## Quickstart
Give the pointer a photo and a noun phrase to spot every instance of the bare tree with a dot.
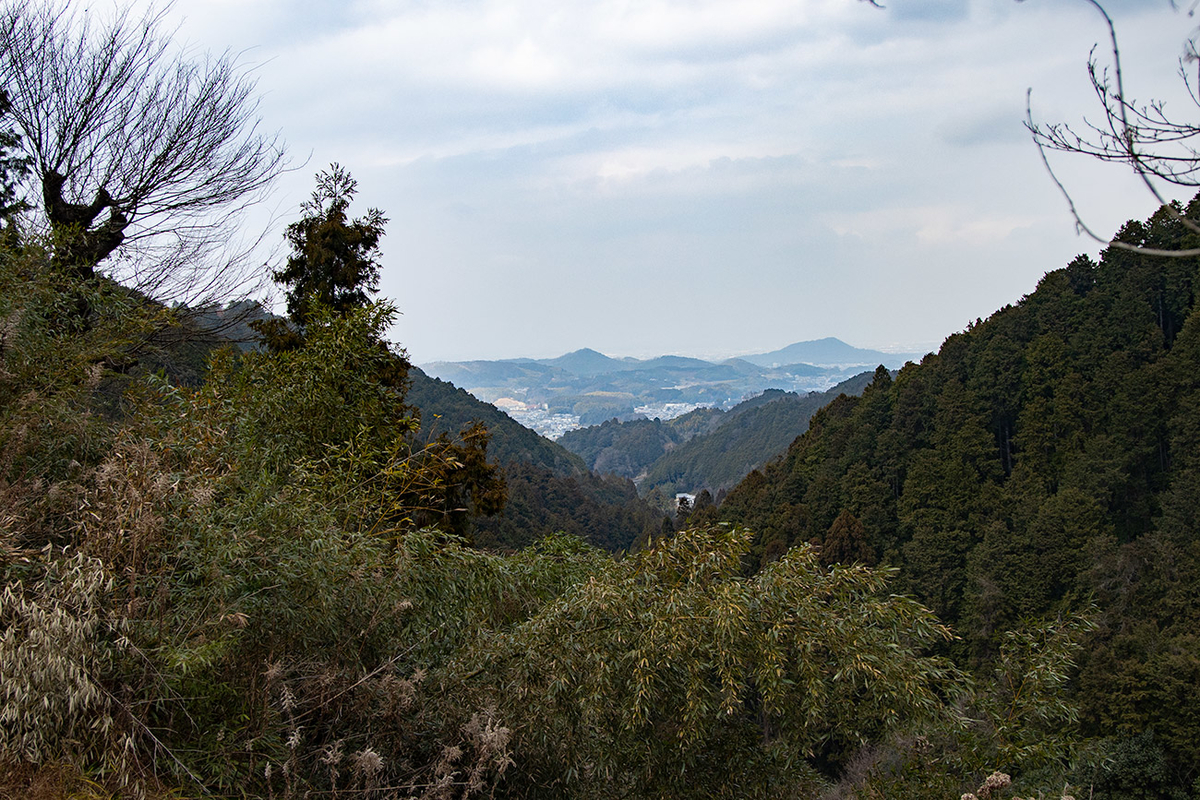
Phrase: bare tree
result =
(1160, 149)
(143, 158)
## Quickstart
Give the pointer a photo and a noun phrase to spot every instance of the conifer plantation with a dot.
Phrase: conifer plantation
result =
(1042, 463)
(245, 572)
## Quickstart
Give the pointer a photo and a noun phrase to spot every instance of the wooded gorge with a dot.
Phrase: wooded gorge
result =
(301, 568)
(258, 586)
(232, 590)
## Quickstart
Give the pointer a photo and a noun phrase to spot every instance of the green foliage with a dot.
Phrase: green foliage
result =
(1042, 457)
(293, 404)
(1030, 722)
(320, 416)
(275, 592)
(1137, 768)
(846, 542)
(1017, 718)
(604, 511)
(278, 623)
(59, 387)
(669, 673)
(334, 260)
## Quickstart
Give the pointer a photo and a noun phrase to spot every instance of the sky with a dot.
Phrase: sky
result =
(697, 177)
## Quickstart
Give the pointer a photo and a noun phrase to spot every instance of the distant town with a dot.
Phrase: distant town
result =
(584, 388)
(538, 417)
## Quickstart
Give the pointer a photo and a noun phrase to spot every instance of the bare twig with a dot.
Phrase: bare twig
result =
(1129, 135)
(142, 158)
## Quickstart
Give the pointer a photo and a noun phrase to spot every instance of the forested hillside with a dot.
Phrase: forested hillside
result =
(549, 490)
(254, 587)
(1042, 460)
(448, 409)
(629, 448)
(263, 573)
(748, 436)
(705, 449)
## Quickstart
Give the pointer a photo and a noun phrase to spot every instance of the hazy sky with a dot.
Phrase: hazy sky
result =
(703, 177)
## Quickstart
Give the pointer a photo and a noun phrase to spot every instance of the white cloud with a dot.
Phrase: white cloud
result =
(608, 171)
(930, 226)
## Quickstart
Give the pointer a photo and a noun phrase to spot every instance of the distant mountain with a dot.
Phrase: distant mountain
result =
(494, 373)
(587, 363)
(586, 387)
(830, 351)
(675, 362)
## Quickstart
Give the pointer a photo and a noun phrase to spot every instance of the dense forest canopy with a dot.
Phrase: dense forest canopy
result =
(228, 590)
(1044, 458)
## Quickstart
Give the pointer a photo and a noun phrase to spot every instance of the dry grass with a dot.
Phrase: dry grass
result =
(48, 782)
(62, 781)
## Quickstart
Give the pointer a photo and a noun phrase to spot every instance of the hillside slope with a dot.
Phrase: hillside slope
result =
(549, 488)
(706, 448)
(447, 409)
(749, 436)
(629, 448)
(1047, 455)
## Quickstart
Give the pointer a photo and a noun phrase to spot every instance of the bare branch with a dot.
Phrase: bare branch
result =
(1143, 137)
(1080, 225)
(145, 160)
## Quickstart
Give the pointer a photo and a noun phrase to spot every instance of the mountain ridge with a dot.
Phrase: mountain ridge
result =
(587, 387)
(830, 350)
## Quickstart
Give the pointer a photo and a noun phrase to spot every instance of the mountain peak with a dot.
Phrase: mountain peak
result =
(584, 362)
(830, 350)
